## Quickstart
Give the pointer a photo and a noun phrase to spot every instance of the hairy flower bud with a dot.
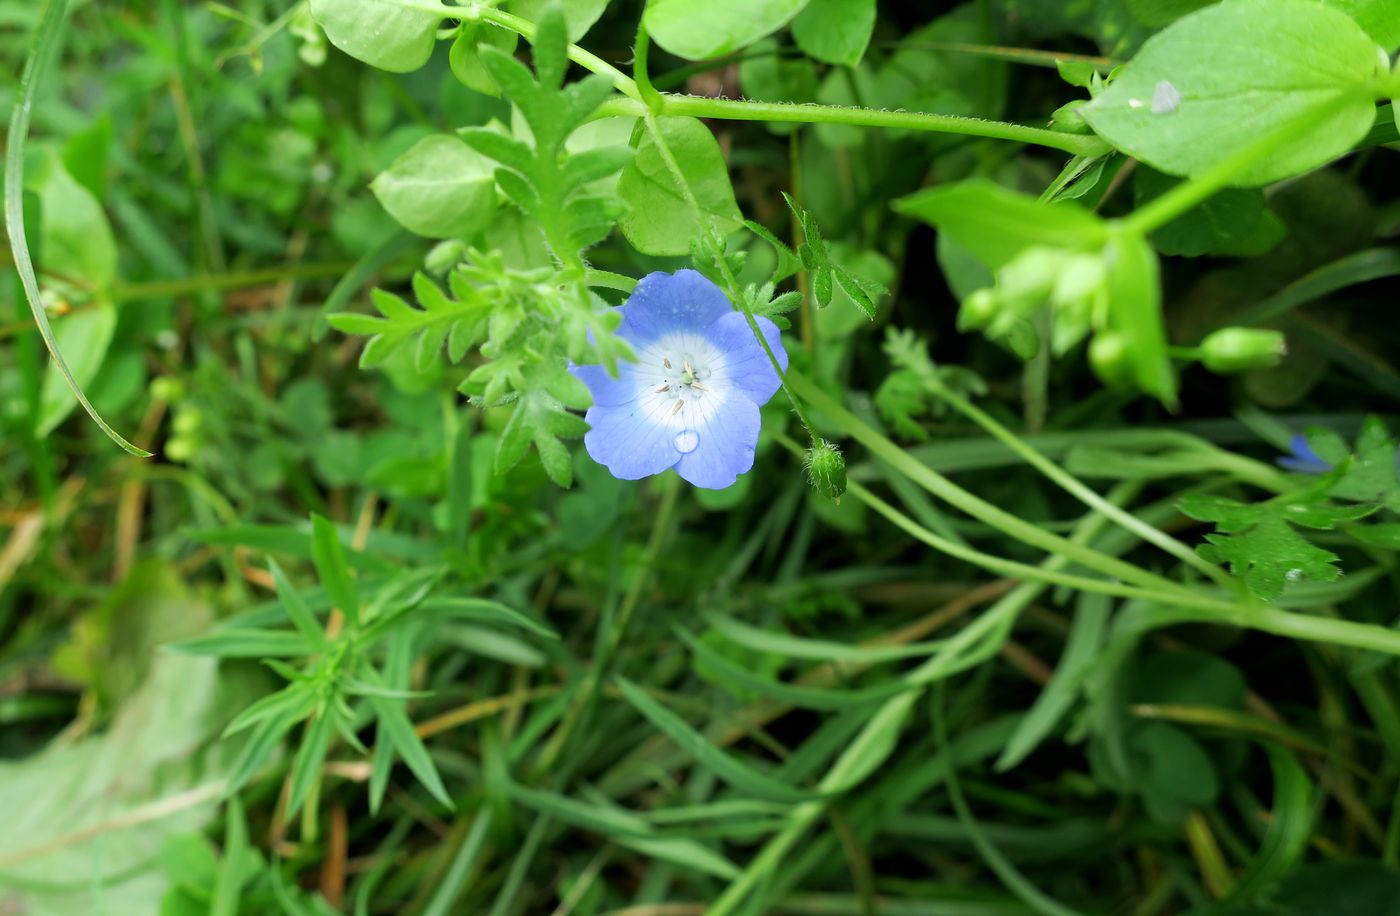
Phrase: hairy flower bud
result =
(826, 470)
(1108, 355)
(978, 310)
(1239, 349)
(444, 256)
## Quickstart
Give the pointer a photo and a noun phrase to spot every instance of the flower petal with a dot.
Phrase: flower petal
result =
(606, 390)
(724, 444)
(664, 303)
(746, 367)
(1303, 460)
(633, 440)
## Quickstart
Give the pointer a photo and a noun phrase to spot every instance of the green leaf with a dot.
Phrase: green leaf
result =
(440, 188)
(1380, 19)
(996, 224)
(1135, 312)
(1260, 545)
(383, 33)
(329, 558)
(835, 31)
(464, 59)
(873, 746)
(84, 338)
(232, 874)
(1218, 80)
(395, 727)
(311, 754)
(487, 611)
(625, 829)
(804, 697)
(75, 238)
(302, 618)
(580, 14)
(726, 766)
(245, 643)
(766, 76)
(699, 31)
(1290, 828)
(659, 220)
(1372, 474)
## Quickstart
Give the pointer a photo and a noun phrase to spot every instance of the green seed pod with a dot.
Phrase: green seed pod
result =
(978, 310)
(180, 449)
(826, 470)
(1240, 349)
(167, 388)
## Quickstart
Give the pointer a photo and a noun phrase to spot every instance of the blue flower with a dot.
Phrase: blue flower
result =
(691, 399)
(1302, 459)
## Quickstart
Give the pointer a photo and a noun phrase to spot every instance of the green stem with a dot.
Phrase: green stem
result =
(715, 242)
(524, 27)
(745, 110)
(1188, 194)
(1071, 484)
(974, 506)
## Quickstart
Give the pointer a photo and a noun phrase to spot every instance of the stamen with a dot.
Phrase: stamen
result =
(698, 387)
(677, 409)
(663, 388)
(666, 361)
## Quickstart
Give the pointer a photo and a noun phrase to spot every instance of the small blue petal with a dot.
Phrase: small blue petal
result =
(608, 391)
(1302, 459)
(746, 366)
(631, 441)
(663, 303)
(724, 444)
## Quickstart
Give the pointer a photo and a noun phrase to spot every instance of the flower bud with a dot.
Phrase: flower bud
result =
(1109, 357)
(826, 470)
(978, 310)
(1026, 281)
(444, 256)
(1069, 119)
(1238, 349)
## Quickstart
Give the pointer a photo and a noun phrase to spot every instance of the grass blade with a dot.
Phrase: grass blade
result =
(45, 47)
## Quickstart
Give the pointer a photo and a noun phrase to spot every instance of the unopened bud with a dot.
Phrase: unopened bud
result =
(826, 470)
(1026, 281)
(444, 256)
(1069, 119)
(1109, 357)
(978, 310)
(1239, 349)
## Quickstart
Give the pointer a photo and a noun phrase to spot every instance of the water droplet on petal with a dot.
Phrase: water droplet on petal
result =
(686, 441)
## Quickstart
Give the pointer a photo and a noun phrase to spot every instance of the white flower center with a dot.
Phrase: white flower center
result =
(680, 385)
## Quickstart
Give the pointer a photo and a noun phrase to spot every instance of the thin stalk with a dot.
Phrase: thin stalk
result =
(975, 506)
(746, 110)
(1188, 194)
(1071, 484)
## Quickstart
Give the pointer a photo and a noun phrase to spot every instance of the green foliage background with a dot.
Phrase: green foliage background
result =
(371, 633)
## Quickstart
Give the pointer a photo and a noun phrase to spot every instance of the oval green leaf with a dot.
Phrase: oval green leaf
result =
(383, 33)
(699, 31)
(440, 188)
(1217, 80)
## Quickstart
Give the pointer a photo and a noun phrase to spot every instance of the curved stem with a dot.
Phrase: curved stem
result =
(585, 59)
(1072, 485)
(744, 110)
(975, 506)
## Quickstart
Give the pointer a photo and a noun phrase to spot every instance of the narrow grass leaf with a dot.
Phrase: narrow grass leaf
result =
(726, 766)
